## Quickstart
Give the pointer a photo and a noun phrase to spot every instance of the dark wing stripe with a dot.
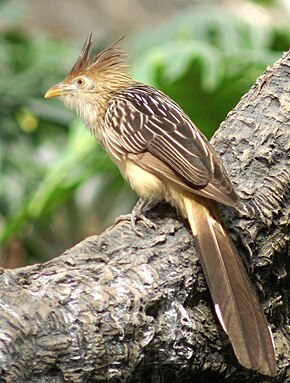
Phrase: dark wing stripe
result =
(157, 129)
(183, 157)
(180, 165)
(112, 144)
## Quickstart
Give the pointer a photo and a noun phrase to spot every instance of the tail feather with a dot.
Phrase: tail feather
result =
(236, 304)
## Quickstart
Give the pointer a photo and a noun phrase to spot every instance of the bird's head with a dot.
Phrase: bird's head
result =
(93, 81)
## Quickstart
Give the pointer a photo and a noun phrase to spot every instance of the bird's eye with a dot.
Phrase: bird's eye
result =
(80, 81)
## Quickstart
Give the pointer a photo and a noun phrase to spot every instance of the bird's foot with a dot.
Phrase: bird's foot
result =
(138, 215)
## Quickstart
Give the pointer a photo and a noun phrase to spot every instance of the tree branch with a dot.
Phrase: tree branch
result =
(117, 307)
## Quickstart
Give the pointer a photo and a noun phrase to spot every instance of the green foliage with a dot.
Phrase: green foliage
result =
(56, 184)
(206, 59)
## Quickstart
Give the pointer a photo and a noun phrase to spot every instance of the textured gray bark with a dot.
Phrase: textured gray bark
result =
(121, 308)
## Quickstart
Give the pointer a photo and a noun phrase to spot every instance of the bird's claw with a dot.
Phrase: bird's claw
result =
(137, 215)
(147, 222)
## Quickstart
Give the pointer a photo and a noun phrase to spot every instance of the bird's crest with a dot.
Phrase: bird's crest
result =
(109, 60)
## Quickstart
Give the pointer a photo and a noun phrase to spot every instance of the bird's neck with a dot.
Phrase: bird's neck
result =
(91, 107)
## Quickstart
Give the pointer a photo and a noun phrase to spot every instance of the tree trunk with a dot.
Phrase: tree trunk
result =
(121, 308)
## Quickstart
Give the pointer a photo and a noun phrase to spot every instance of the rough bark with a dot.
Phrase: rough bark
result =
(118, 307)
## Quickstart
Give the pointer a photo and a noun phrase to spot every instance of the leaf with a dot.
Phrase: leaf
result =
(176, 58)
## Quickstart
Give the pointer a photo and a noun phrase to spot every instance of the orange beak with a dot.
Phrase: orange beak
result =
(58, 90)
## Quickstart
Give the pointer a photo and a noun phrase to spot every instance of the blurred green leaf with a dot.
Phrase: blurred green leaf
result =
(174, 59)
(81, 158)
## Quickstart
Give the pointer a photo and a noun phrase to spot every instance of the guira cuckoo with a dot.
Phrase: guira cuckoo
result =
(164, 156)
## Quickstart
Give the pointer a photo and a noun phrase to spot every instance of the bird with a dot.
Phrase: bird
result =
(164, 156)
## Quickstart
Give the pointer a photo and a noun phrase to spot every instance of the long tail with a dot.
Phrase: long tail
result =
(236, 304)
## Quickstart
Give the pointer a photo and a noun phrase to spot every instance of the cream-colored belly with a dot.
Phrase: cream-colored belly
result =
(150, 187)
(147, 185)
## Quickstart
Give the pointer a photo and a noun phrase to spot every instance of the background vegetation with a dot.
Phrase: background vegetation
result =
(56, 185)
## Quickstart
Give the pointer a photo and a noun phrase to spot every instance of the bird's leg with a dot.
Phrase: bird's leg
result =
(138, 214)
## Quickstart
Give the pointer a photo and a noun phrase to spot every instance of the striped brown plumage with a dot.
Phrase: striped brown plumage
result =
(142, 119)
(163, 155)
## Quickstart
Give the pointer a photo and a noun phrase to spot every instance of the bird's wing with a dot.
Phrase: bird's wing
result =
(142, 120)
